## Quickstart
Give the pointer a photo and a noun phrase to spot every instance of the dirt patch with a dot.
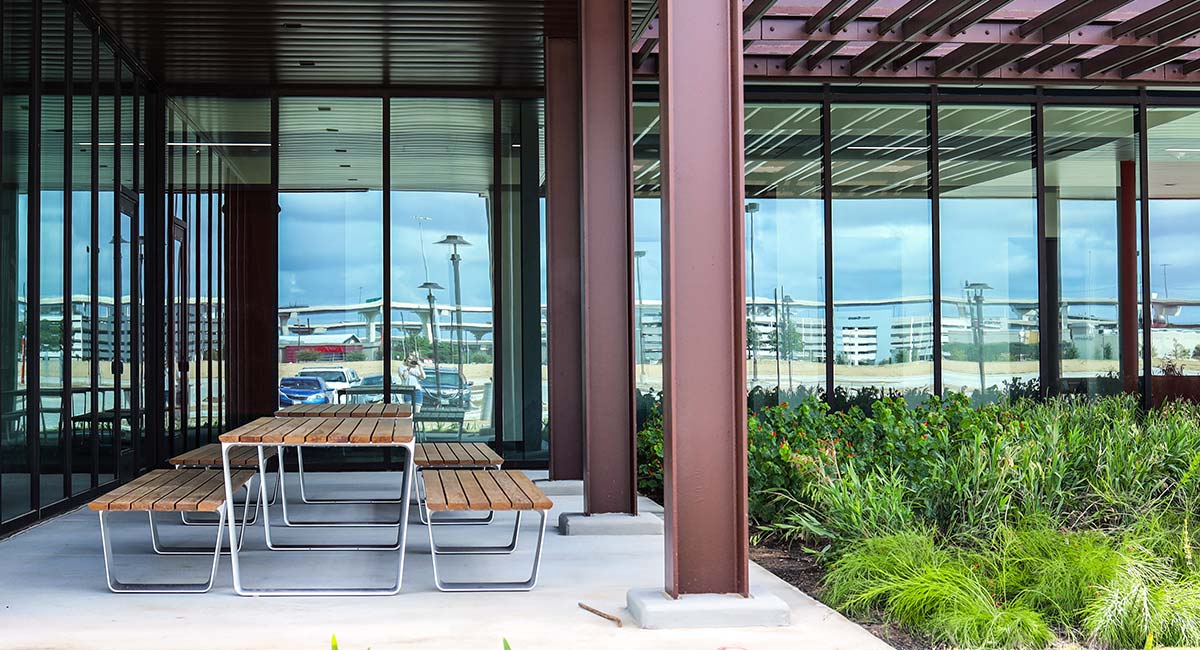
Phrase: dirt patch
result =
(799, 570)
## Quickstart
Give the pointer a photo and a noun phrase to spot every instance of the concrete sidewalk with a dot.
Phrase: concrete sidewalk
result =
(53, 594)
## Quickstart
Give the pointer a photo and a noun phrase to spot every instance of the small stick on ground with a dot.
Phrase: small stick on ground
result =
(601, 614)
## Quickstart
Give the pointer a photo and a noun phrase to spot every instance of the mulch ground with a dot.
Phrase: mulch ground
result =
(799, 570)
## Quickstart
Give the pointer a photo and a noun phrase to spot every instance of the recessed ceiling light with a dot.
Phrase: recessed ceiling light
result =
(292, 25)
(345, 166)
(307, 64)
(353, 180)
(332, 130)
(339, 151)
(324, 108)
(516, 145)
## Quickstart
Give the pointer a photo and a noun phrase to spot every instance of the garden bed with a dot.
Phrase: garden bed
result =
(1016, 524)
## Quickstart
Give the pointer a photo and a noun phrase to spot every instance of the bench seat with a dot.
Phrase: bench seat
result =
(210, 456)
(434, 455)
(485, 491)
(172, 490)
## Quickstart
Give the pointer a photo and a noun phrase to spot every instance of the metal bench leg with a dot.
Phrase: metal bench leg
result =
(426, 516)
(481, 550)
(390, 590)
(525, 585)
(162, 549)
(116, 586)
(312, 500)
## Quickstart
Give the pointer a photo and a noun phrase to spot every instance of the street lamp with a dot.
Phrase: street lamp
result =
(787, 330)
(974, 293)
(751, 210)
(641, 355)
(430, 287)
(454, 241)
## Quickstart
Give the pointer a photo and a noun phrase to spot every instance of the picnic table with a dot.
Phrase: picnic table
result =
(312, 432)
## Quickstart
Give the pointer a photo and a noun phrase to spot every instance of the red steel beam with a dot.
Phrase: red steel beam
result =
(563, 300)
(606, 196)
(1157, 57)
(1004, 56)
(1051, 56)
(1148, 22)
(900, 14)
(704, 312)
(1080, 16)
(824, 14)
(1049, 15)
(850, 14)
(977, 14)
(755, 11)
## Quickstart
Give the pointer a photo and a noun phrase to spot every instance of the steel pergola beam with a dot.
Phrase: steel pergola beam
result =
(755, 11)
(650, 16)
(1156, 57)
(876, 56)
(1048, 16)
(851, 13)
(1157, 18)
(937, 15)
(1111, 59)
(977, 14)
(824, 54)
(801, 53)
(1080, 16)
(902, 12)
(1051, 56)
(1180, 30)
(918, 51)
(964, 56)
(1189, 67)
(824, 14)
(1003, 56)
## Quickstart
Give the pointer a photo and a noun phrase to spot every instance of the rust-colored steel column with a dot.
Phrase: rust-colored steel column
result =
(1127, 275)
(606, 192)
(563, 300)
(704, 322)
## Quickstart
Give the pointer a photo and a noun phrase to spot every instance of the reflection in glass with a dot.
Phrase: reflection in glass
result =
(785, 327)
(1174, 153)
(107, 320)
(988, 247)
(14, 252)
(882, 247)
(83, 324)
(1084, 150)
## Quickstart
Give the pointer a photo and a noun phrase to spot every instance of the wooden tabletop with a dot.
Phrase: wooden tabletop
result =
(379, 410)
(323, 431)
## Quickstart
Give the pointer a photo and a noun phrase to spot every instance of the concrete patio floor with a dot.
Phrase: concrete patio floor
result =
(54, 593)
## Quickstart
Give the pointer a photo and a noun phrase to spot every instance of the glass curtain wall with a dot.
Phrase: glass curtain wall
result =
(442, 335)
(1085, 148)
(882, 247)
(1174, 155)
(989, 254)
(70, 411)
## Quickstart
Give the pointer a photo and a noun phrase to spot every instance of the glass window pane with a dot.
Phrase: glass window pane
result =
(989, 248)
(882, 247)
(14, 261)
(1085, 147)
(1174, 152)
(331, 243)
(441, 180)
(83, 325)
(785, 291)
(51, 356)
(106, 318)
(647, 243)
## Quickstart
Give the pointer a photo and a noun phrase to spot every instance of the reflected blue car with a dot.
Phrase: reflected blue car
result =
(304, 390)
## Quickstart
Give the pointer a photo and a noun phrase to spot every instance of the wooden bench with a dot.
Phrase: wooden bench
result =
(452, 455)
(485, 491)
(165, 490)
(209, 457)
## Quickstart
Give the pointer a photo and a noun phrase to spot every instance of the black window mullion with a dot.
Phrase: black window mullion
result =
(33, 286)
(827, 199)
(209, 322)
(935, 220)
(387, 250)
(118, 372)
(94, 361)
(65, 407)
(135, 286)
(194, 228)
(1144, 254)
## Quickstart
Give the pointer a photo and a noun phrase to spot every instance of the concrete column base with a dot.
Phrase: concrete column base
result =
(561, 488)
(578, 523)
(653, 609)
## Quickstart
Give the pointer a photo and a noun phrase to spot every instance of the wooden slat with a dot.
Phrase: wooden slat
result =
(497, 499)
(131, 490)
(341, 433)
(321, 434)
(435, 496)
(535, 494)
(170, 500)
(215, 498)
(146, 500)
(421, 456)
(363, 431)
(301, 428)
(476, 498)
(253, 431)
(455, 498)
(514, 493)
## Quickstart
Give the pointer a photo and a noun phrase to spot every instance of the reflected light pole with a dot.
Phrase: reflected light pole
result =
(637, 309)
(454, 241)
(787, 330)
(430, 287)
(751, 210)
(974, 292)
